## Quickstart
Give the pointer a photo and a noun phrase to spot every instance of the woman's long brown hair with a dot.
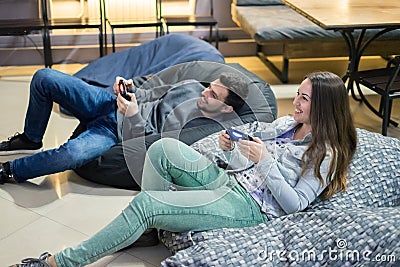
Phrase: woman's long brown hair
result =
(332, 126)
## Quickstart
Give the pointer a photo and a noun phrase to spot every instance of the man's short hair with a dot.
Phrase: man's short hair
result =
(238, 89)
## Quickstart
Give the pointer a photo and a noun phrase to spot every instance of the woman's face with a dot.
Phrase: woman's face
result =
(302, 103)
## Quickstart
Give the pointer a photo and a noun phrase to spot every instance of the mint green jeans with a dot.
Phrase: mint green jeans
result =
(200, 196)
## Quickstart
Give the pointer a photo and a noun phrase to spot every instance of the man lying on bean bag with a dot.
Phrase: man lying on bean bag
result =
(121, 166)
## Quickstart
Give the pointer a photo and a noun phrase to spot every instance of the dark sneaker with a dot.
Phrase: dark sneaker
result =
(5, 175)
(19, 144)
(32, 262)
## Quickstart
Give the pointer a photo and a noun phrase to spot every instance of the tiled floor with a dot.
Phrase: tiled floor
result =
(52, 212)
(55, 211)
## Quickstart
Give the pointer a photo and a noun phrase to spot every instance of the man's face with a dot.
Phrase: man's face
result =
(212, 99)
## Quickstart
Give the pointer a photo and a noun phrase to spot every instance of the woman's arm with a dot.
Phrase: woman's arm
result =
(297, 198)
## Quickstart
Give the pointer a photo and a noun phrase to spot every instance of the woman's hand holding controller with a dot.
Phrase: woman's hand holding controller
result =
(254, 150)
(225, 142)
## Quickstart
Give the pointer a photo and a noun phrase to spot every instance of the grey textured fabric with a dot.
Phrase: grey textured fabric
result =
(354, 237)
(356, 228)
(373, 177)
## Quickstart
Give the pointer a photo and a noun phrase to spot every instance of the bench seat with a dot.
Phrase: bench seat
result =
(279, 30)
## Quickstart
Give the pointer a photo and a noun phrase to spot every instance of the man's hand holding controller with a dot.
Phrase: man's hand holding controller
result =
(123, 87)
(126, 102)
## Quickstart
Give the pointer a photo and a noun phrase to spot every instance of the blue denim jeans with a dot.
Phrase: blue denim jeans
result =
(211, 199)
(93, 106)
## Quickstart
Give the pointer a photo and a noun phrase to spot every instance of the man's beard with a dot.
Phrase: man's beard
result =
(215, 111)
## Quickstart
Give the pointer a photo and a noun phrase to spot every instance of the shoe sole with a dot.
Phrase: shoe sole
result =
(16, 152)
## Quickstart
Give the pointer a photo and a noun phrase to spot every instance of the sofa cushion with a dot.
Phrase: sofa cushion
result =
(281, 23)
(277, 23)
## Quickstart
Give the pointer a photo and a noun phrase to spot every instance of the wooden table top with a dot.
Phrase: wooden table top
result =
(349, 14)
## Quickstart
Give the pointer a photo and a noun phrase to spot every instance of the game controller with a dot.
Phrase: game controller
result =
(237, 135)
(122, 90)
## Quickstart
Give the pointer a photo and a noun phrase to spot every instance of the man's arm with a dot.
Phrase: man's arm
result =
(156, 105)
(155, 88)
(133, 124)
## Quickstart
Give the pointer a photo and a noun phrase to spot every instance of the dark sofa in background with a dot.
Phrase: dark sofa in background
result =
(278, 30)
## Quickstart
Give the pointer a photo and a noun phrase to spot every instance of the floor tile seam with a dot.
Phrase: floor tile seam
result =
(41, 216)
(127, 252)
(21, 228)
